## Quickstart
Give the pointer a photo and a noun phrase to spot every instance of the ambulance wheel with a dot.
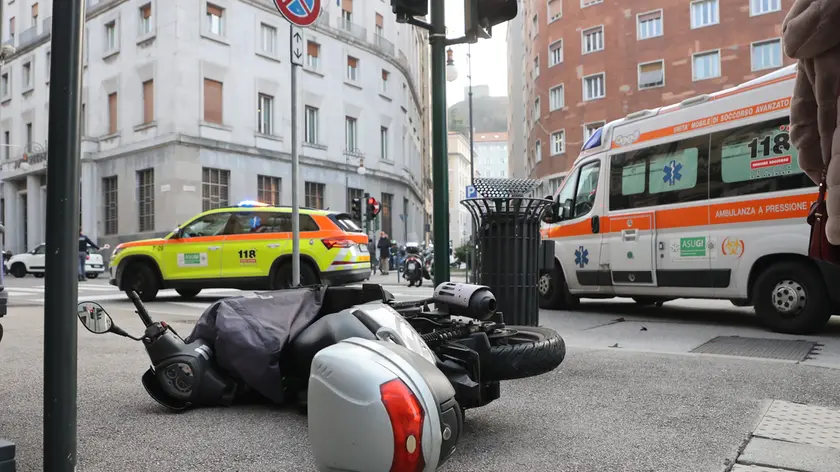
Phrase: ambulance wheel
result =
(188, 292)
(517, 352)
(791, 298)
(140, 278)
(554, 291)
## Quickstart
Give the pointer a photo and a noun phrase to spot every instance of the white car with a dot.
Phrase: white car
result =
(33, 262)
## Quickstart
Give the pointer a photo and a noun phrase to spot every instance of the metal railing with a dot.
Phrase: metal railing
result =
(353, 29)
(29, 36)
(46, 25)
(323, 19)
(383, 44)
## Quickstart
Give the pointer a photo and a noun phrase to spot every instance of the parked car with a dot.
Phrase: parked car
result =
(34, 261)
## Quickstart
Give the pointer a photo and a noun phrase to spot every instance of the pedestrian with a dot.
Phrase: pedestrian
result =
(384, 246)
(372, 251)
(811, 37)
(84, 244)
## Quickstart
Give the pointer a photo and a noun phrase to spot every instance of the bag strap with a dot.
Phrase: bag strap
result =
(821, 197)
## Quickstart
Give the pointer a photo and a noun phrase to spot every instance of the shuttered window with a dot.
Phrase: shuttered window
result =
(347, 5)
(212, 101)
(112, 113)
(148, 101)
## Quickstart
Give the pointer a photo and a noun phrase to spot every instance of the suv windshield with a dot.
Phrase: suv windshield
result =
(345, 222)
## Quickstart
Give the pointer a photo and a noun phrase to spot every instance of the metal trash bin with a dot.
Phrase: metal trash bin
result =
(508, 256)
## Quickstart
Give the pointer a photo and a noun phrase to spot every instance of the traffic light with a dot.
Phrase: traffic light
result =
(356, 209)
(410, 7)
(480, 16)
(372, 208)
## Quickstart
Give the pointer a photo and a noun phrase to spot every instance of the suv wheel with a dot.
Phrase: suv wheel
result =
(188, 292)
(140, 278)
(18, 270)
(283, 276)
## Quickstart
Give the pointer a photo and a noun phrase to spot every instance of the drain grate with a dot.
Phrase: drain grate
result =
(783, 349)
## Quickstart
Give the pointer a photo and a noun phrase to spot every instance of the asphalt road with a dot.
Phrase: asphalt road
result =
(646, 405)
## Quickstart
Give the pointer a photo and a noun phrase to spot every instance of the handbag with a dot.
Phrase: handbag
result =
(819, 248)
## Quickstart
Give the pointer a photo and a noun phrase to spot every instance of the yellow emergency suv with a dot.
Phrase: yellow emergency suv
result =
(246, 247)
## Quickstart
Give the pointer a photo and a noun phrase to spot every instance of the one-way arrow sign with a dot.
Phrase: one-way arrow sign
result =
(296, 46)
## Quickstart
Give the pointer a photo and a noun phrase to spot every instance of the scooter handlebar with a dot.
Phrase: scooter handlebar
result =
(141, 309)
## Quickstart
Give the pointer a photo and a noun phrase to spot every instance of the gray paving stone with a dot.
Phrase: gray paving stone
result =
(792, 456)
(803, 424)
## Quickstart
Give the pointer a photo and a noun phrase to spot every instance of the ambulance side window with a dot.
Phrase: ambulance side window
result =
(587, 187)
(753, 159)
(675, 172)
(566, 197)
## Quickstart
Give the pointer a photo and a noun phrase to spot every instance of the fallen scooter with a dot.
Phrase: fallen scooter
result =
(427, 365)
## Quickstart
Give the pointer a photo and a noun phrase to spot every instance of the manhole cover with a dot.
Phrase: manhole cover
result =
(784, 349)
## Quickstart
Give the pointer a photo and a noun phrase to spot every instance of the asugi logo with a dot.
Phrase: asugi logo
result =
(627, 140)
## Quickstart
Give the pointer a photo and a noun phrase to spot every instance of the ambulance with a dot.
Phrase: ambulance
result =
(702, 199)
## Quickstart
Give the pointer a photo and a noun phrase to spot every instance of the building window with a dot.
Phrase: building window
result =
(146, 19)
(12, 28)
(651, 75)
(34, 14)
(83, 120)
(47, 65)
(215, 19)
(148, 101)
(350, 134)
(4, 84)
(27, 76)
(314, 195)
(146, 200)
(352, 194)
(538, 151)
(767, 54)
(268, 189)
(352, 69)
(383, 142)
(311, 125)
(379, 30)
(556, 98)
(558, 142)
(213, 101)
(109, 198)
(387, 215)
(587, 3)
(346, 14)
(215, 188)
(28, 137)
(112, 113)
(593, 39)
(590, 128)
(536, 108)
(704, 13)
(535, 26)
(536, 66)
(649, 25)
(265, 112)
(268, 37)
(312, 51)
(706, 65)
(760, 7)
(594, 87)
(555, 10)
(385, 75)
(6, 144)
(111, 36)
(555, 53)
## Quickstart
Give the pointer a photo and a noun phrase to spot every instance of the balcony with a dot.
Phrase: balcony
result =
(323, 19)
(383, 45)
(28, 36)
(403, 60)
(348, 27)
(46, 25)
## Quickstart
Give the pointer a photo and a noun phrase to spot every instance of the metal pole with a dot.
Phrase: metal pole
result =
(61, 291)
(472, 163)
(347, 181)
(295, 177)
(440, 157)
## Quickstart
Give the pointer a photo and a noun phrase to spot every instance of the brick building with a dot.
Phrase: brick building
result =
(586, 62)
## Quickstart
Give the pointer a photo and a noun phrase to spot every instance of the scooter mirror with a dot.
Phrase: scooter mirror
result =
(94, 317)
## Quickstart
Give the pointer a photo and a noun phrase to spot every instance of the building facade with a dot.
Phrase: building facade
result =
(185, 107)
(591, 61)
(491, 155)
(460, 226)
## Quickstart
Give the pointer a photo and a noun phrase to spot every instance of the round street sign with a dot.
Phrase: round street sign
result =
(299, 12)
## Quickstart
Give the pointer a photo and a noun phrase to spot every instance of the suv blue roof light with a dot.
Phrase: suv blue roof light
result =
(251, 203)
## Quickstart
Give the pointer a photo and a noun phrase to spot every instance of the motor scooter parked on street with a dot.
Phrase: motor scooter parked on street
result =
(414, 267)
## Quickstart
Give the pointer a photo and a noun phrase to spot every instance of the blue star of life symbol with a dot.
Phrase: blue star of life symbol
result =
(255, 221)
(672, 173)
(581, 257)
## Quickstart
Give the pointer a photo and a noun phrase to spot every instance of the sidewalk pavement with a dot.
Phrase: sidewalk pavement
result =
(793, 437)
(391, 278)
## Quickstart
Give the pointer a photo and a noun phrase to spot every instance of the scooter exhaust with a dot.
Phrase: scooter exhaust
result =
(470, 300)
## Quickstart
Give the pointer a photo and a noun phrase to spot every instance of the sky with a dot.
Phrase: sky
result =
(489, 57)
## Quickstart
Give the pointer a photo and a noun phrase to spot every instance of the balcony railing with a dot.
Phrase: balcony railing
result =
(403, 60)
(29, 36)
(323, 19)
(353, 29)
(46, 25)
(383, 44)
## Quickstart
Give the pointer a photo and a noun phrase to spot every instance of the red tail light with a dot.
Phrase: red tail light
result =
(87, 257)
(337, 242)
(407, 417)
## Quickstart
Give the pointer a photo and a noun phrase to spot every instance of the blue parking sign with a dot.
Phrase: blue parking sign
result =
(471, 192)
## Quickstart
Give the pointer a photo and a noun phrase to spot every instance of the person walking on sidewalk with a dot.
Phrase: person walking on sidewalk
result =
(84, 244)
(372, 252)
(384, 246)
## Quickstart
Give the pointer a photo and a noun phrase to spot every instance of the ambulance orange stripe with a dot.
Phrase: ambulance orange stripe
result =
(730, 93)
(729, 116)
(745, 211)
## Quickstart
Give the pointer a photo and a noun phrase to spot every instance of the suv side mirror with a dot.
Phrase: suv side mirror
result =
(176, 233)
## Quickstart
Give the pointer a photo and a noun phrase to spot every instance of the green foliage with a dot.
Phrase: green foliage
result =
(461, 253)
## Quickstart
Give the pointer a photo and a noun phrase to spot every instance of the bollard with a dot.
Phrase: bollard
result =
(508, 250)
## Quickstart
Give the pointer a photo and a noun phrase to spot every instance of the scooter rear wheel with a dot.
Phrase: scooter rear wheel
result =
(518, 352)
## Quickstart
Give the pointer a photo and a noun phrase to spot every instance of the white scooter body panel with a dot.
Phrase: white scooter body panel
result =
(395, 325)
(349, 428)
